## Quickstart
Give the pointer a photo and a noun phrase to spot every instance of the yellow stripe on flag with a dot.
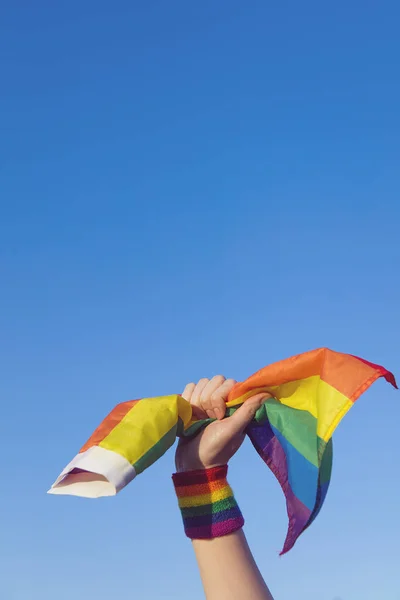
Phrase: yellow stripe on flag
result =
(145, 424)
(313, 395)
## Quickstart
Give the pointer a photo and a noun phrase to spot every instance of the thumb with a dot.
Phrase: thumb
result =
(246, 413)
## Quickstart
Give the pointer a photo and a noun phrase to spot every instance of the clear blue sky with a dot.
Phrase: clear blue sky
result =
(186, 189)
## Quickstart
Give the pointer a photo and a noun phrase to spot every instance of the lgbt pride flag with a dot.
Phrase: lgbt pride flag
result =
(292, 431)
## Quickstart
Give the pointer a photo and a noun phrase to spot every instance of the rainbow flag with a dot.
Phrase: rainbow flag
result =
(292, 431)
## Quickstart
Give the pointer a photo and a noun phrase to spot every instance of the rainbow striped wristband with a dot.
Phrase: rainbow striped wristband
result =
(207, 504)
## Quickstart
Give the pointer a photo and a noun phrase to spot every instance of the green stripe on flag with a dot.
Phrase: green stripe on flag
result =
(158, 449)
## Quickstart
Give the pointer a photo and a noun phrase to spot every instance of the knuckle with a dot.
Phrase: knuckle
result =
(204, 400)
(217, 399)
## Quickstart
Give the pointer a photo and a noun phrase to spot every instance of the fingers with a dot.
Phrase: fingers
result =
(212, 408)
(245, 413)
(198, 390)
(192, 393)
(208, 396)
(190, 396)
(214, 396)
(188, 391)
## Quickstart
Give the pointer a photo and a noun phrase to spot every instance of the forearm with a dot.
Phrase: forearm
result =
(213, 521)
(228, 570)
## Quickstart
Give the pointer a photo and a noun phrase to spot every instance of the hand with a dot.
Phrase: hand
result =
(219, 441)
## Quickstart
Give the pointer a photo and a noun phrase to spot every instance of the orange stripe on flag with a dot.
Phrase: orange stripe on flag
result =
(347, 374)
(111, 421)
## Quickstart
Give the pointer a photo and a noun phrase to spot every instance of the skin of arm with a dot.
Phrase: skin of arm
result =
(227, 568)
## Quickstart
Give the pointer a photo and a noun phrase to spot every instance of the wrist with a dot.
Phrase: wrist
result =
(207, 503)
(193, 465)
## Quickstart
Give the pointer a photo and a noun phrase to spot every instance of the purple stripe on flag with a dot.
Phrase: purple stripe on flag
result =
(271, 451)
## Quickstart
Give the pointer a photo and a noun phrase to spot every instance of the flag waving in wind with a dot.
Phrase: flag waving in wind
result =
(292, 431)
